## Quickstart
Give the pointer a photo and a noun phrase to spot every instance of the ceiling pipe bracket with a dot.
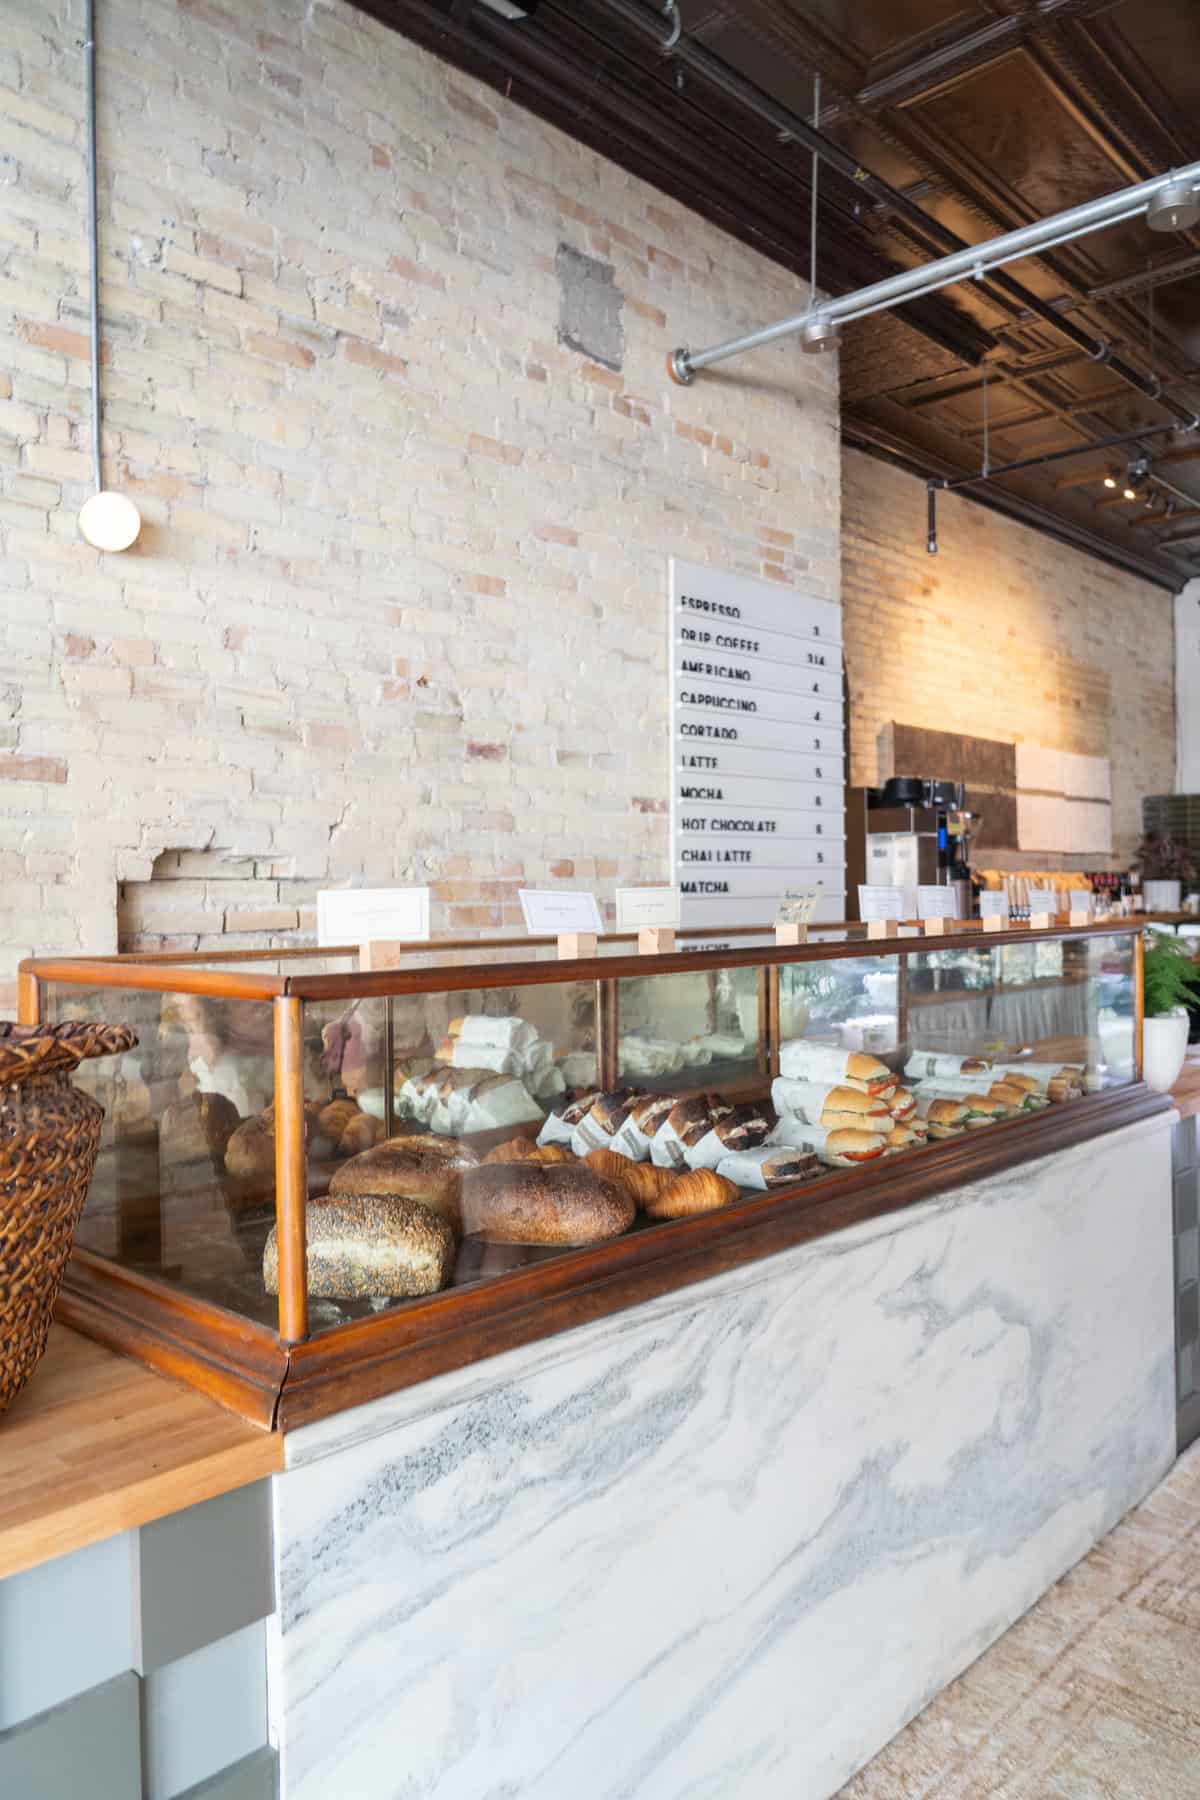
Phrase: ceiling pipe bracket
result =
(679, 368)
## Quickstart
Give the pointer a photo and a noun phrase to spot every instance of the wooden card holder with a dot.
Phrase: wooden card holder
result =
(576, 945)
(656, 940)
(936, 927)
(789, 931)
(381, 953)
(1040, 921)
(1079, 918)
(883, 928)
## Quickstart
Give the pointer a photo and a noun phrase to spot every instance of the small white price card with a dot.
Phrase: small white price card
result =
(993, 906)
(372, 915)
(1044, 900)
(876, 903)
(937, 903)
(552, 911)
(656, 907)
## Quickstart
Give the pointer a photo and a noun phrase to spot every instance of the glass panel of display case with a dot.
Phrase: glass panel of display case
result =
(847, 1003)
(1063, 1011)
(698, 1030)
(172, 1197)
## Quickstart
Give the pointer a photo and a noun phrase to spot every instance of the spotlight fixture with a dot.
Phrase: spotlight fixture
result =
(1131, 493)
(1110, 480)
(1175, 207)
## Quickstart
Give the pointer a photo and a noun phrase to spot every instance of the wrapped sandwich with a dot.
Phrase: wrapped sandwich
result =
(770, 1166)
(813, 1103)
(944, 1118)
(844, 1148)
(741, 1128)
(685, 1126)
(924, 1065)
(646, 1118)
(802, 1060)
(560, 1125)
(602, 1121)
(1055, 1081)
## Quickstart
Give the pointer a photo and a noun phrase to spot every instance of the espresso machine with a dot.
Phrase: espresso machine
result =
(918, 834)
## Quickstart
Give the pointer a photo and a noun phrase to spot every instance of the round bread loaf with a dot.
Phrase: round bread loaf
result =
(371, 1247)
(536, 1203)
(250, 1152)
(703, 1190)
(362, 1133)
(427, 1168)
(199, 1126)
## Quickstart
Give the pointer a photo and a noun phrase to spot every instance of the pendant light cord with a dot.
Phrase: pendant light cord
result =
(89, 51)
(816, 164)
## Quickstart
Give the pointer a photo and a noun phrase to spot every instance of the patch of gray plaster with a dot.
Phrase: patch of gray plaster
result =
(590, 302)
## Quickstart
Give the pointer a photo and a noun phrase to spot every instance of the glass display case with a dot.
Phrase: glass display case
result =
(319, 1182)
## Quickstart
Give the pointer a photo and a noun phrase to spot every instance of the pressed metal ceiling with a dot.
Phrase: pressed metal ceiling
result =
(987, 114)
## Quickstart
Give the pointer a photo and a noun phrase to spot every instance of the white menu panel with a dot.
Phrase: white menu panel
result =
(757, 746)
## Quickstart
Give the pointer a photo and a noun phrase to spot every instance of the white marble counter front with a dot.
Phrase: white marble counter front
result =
(725, 1544)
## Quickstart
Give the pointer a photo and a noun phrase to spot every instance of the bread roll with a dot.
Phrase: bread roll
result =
(518, 1149)
(198, 1127)
(700, 1191)
(373, 1247)
(530, 1203)
(901, 1137)
(362, 1133)
(944, 1118)
(424, 1168)
(902, 1104)
(333, 1119)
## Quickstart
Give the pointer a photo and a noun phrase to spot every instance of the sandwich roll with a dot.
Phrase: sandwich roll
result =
(560, 1205)
(770, 1166)
(801, 1060)
(815, 1104)
(902, 1105)
(699, 1191)
(843, 1148)
(944, 1118)
(902, 1137)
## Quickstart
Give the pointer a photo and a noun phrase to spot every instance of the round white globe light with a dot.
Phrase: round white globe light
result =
(110, 521)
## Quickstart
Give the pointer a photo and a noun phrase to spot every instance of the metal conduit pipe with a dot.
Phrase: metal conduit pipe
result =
(719, 76)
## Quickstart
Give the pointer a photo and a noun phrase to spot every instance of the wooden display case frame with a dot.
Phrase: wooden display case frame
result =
(289, 1377)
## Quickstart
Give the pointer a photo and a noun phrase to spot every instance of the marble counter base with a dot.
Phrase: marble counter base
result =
(724, 1545)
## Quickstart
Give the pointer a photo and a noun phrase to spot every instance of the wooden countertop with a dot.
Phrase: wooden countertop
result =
(97, 1443)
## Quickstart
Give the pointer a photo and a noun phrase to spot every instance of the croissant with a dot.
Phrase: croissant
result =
(645, 1181)
(608, 1164)
(703, 1190)
(553, 1153)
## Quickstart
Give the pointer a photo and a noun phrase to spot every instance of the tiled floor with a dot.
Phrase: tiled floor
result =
(1093, 1695)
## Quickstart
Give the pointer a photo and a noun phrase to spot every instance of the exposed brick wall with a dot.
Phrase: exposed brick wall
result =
(399, 607)
(1006, 634)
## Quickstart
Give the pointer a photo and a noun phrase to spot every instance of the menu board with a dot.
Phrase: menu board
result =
(758, 765)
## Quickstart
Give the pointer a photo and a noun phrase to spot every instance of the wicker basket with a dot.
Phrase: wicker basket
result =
(49, 1137)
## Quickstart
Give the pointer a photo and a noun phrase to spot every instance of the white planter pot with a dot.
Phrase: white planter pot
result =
(1164, 1046)
(1163, 896)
